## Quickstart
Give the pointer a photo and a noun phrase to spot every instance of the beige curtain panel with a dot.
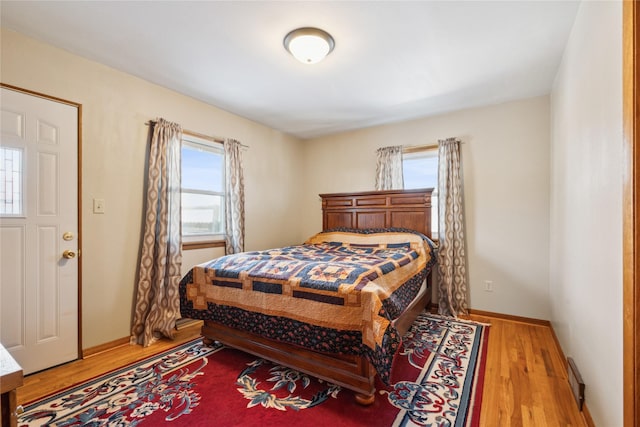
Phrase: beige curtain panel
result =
(234, 196)
(389, 168)
(452, 280)
(157, 304)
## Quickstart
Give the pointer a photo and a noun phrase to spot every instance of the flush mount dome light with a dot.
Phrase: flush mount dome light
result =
(309, 45)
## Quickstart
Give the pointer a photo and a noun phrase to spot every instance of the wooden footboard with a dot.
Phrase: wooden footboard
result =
(349, 371)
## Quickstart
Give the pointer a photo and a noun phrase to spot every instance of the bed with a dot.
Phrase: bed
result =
(335, 307)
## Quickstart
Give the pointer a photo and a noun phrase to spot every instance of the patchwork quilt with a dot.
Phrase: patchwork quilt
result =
(339, 292)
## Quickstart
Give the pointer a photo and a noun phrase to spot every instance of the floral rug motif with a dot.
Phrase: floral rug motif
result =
(128, 395)
(437, 381)
(285, 380)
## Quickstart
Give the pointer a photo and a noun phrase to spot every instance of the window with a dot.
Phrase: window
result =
(202, 189)
(11, 181)
(420, 170)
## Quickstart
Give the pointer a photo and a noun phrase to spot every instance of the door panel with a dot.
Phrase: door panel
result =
(47, 189)
(13, 297)
(38, 204)
(47, 286)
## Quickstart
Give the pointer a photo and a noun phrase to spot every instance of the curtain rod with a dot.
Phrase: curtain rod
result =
(217, 139)
(414, 148)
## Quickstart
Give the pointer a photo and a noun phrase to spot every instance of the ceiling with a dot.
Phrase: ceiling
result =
(393, 60)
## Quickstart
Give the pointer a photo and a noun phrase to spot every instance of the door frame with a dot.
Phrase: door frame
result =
(631, 213)
(79, 180)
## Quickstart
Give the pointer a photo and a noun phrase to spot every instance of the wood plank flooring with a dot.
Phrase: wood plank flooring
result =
(525, 380)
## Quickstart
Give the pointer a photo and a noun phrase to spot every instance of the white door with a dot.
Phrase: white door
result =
(38, 223)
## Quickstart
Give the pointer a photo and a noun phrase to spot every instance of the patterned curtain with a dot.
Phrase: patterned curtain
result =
(452, 278)
(157, 303)
(389, 168)
(234, 196)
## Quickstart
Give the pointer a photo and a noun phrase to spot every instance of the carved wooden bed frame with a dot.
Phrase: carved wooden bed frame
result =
(409, 209)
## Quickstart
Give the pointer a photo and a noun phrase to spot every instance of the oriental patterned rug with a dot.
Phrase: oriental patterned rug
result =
(437, 381)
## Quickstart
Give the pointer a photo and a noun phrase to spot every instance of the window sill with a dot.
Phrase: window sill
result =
(203, 244)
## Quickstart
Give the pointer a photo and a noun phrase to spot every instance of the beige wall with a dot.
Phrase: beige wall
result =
(505, 156)
(586, 206)
(115, 108)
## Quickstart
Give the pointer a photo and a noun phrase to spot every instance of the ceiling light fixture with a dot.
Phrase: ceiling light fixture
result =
(309, 45)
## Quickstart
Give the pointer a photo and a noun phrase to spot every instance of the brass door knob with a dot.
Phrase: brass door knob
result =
(68, 254)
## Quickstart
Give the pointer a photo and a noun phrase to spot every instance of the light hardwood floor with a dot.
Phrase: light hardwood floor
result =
(525, 379)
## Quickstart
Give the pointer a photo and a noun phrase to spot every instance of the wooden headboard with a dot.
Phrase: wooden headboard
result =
(378, 209)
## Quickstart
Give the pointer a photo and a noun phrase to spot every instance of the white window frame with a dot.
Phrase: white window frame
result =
(426, 152)
(211, 146)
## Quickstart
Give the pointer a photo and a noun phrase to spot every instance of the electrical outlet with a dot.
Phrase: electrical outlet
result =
(488, 286)
(98, 206)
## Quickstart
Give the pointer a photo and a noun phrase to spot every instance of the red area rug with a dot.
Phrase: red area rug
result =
(437, 381)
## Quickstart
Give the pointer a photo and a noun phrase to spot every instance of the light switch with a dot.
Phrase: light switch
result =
(98, 206)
